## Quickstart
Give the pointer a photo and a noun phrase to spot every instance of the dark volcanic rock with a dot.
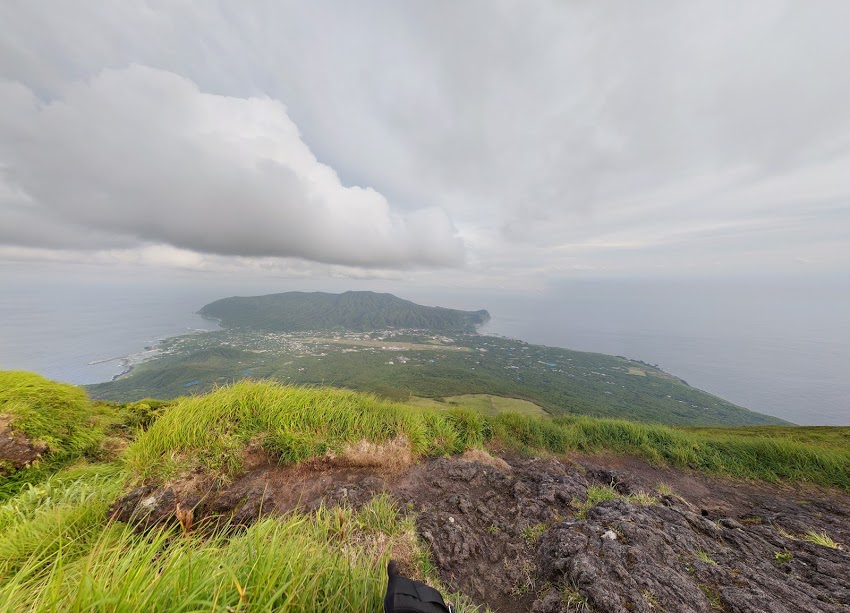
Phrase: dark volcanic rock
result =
(670, 558)
(510, 539)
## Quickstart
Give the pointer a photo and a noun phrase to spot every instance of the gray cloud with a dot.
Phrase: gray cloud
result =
(142, 153)
(558, 137)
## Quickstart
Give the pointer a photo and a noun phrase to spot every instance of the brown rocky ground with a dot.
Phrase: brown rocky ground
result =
(16, 451)
(508, 534)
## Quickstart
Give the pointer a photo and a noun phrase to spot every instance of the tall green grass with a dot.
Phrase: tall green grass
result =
(59, 416)
(60, 516)
(294, 423)
(56, 414)
(771, 457)
(333, 560)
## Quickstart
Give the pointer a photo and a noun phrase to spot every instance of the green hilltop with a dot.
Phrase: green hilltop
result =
(358, 311)
(62, 549)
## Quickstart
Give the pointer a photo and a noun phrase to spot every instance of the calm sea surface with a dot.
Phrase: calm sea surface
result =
(79, 333)
(779, 350)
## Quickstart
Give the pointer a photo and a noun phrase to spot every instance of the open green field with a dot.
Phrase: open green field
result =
(389, 345)
(486, 404)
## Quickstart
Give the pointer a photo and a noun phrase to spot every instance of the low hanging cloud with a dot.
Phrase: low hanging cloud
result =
(141, 156)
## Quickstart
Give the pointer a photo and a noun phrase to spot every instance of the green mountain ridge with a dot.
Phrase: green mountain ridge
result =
(356, 311)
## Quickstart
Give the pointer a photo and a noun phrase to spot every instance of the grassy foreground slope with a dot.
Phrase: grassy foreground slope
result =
(60, 552)
(294, 423)
(360, 311)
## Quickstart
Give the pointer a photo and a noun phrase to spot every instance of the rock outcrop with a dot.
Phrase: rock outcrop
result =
(514, 537)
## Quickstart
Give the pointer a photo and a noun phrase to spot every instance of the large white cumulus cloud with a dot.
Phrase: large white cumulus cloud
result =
(141, 155)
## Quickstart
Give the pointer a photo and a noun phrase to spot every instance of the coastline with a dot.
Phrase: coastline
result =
(150, 352)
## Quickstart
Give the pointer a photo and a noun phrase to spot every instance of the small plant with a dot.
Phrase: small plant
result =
(663, 489)
(642, 498)
(493, 529)
(601, 493)
(783, 532)
(595, 495)
(525, 584)
(532, 533)
(783, 556)
(712, 596)
(650, 599)
(574, 600)
(704, 557)
(821, 538)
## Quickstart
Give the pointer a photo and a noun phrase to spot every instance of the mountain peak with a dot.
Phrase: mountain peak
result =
(359, 311)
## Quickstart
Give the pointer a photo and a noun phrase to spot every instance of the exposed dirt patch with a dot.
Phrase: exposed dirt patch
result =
(506, 533)
(16, 450)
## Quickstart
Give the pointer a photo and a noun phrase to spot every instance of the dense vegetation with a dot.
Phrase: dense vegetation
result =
(360, 311)
(65, 423)
(59, 550)
(59, 553)
(295, 423)
(561, 381)
(58, 415)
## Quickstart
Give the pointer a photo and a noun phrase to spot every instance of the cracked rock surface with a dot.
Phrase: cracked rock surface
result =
(511, 536)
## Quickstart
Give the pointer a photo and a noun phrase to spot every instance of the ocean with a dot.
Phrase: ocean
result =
(774, 348)
(84, 333)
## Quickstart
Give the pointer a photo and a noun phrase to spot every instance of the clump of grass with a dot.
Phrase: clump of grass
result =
(525, 583)
(783, 556)
(534, 532)
(60, 515)
(574, 600)
(642, 498)
(651, 600)
(333, 560)
(703, 556)
(482, 457)
(391, 456)
(601, 493)
(595, 495)
(664, 489)
(57, 415)
(712, 595)
(295, 424)
(783, 532)
(821, 538)
(770, 454)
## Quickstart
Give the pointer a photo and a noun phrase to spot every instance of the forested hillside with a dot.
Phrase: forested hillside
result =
(358, 311)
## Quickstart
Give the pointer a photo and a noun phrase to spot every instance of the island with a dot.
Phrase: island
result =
(406, 352)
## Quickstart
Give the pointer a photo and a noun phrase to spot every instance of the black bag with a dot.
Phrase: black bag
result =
(408, 596)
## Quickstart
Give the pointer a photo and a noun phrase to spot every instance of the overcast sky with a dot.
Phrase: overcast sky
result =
(476, 144)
